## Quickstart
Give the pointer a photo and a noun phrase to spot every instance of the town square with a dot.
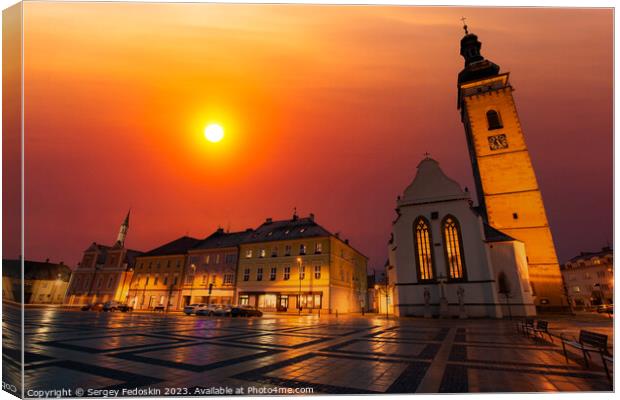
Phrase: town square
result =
(237, 199)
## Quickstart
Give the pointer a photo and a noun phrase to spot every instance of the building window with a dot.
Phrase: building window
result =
(213, 278)
(494, 120)
(317, 272)
(248, 253)
(246, 274)
(207, 258)
(156, 280)
(228, 279)
(204, 279)
(176, 280)
(168, 264)
(318, 248)
(302, 249)
(263, 253)
(244, 300)
(259, 274)
(147, 281)
(423, 249)
(272, 274)
(178, 263)
(274, 251)
(287, 273)
(166, 280)
(217, 258)
(287, 250)
(453, 248)
(111, 281)
(576, 289)
(230, 258)
(302, 273)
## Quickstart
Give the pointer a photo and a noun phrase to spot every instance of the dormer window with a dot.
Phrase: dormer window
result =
(318, 248)
(263, 252)
(302, 249)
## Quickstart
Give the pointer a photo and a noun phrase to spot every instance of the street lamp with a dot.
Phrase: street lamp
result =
(299, 295)
(191, 288)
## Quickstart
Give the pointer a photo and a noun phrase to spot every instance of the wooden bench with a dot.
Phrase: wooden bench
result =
(525, 324)
(541, 328)
(588, 342)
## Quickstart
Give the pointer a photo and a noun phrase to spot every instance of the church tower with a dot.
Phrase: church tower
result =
(508, 194)
(122, 232)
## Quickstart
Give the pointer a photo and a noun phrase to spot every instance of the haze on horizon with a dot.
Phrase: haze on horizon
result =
(326, 108)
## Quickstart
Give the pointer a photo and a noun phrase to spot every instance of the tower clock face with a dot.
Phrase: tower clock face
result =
(498, 142)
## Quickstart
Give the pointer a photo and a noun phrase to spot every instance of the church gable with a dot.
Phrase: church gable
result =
(431, 185)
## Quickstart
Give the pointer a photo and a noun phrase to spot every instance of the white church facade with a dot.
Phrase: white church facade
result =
(445, 261)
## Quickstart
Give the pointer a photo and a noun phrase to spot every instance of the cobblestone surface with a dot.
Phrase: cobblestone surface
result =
(347, 354)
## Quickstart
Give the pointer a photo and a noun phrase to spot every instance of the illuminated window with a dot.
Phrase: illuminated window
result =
(217, 258)
(302, 249)
(318, 248)
(246, 274)
(228, 279)
(248, 253)
(453, 248)
(317, 272)
(302, 272)
(207, 259)
(494, 120)
(423, 249)
(287, 273)
(262, 253)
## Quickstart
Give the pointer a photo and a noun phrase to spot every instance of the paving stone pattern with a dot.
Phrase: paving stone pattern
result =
(345, 354)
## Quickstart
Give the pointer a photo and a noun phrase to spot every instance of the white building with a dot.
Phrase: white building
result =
(441, 244)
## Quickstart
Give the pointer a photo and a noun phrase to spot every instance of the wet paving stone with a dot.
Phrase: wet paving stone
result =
(335, 355)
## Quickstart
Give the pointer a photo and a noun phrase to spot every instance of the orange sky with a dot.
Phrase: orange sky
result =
(326, 108)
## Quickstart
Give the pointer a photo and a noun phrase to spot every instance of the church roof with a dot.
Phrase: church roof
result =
(493, 235)
(36, 270)
(431, 184)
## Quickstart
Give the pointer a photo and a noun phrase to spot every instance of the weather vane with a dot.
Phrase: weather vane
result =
(464, 25)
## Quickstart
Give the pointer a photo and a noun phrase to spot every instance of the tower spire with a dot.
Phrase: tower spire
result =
(465, 25)
(122, 232)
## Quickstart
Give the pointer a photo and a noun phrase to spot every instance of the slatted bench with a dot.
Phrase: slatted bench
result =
(588, 342)
(524, 325)
(541, 328)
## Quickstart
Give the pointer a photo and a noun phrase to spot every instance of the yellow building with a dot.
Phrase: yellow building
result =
(509, 197)
(589, 278)
(212, 269)
(296, 263)
(158, 276)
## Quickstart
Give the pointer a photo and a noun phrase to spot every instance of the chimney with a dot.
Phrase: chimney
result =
(249, 230)
(220, 230)
(269, 220)
(47, 260)
(311, 216)
(346, 241)
(337, 234)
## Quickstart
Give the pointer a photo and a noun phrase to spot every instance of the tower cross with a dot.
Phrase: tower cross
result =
(464, 25)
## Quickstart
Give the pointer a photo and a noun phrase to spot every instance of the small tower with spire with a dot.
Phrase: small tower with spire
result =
(122, 232)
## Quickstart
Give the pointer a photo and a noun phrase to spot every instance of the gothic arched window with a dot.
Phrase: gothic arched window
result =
(423, 249)
(494, 120)
(453, 248)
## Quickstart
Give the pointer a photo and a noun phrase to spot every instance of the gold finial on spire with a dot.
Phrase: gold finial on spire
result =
(465, 25)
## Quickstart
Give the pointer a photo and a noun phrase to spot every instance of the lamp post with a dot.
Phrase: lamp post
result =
(299, 294)
(191, 288)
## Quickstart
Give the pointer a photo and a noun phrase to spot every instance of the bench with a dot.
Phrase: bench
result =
(588, 342)
(540, 329)
(525, 324)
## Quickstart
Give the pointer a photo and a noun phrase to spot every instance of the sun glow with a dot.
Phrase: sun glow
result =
(214, 133)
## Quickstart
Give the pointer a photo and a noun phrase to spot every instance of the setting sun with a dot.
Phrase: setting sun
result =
(214, 133)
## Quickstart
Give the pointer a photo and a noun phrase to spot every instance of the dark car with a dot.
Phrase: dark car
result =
(93, 307)
(124, 308)
(245, 311)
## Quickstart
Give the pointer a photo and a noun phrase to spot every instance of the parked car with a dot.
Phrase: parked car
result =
(606, 308)
(160, 308)
(245, 311)
(110, 306)
(124, 308)
(207, 310)
(191, 309)
(223, 311)
(93, 307)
